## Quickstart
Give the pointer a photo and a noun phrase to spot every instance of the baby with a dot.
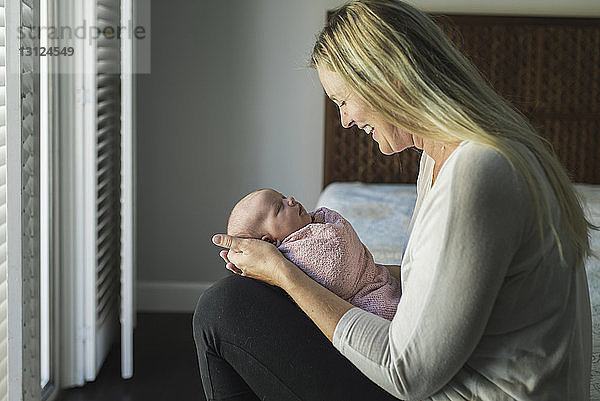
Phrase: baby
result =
(323, 244)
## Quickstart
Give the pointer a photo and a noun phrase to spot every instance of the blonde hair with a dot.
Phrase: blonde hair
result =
(398, 60)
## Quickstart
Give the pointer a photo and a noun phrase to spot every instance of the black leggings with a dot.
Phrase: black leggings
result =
(255, 343)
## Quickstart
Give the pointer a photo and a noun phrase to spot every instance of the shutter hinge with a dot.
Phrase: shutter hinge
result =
(84, 334)
(82, 96)
(80, 333)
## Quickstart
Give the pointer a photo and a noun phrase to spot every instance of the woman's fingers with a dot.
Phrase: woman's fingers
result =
(230, 266)
(227, 241)
(252, 258)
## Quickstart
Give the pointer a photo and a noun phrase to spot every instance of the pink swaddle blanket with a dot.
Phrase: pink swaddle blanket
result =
(330, 252)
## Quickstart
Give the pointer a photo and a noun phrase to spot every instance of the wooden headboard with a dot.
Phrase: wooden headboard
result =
(548, 67)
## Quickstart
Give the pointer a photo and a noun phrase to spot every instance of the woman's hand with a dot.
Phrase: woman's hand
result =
(253, 258)
(263, 261)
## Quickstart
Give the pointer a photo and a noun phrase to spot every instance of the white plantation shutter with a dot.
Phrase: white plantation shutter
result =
(3, 264)
(108, 163)
(30, 199)
(127, 195)
(103, 125)
(90, 179)
(22, 241)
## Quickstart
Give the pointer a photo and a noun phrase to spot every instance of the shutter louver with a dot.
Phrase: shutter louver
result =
(3, 262)
(30, 198)
(108, 173)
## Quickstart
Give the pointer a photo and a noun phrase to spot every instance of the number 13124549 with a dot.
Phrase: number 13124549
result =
(46, 51)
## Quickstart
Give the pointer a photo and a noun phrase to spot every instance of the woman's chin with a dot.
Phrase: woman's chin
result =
(385, 149)
(387, 153)
(397, 149)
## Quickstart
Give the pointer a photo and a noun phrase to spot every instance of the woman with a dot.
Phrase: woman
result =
(494, 302)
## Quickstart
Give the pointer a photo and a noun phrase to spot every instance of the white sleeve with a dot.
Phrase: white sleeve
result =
(466, 234)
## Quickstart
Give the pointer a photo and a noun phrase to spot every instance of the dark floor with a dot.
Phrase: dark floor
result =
(165, 366)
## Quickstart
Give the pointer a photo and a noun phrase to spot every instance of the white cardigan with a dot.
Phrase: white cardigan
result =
(487, 312)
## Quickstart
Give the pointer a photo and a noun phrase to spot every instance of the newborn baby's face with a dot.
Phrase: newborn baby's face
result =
(281, 216)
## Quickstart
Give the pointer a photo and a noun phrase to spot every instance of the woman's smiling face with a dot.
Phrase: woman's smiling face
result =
(354, 111)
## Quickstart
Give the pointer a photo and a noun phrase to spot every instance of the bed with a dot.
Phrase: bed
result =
(549, 68)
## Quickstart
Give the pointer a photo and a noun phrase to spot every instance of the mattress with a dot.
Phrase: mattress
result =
(381, 213)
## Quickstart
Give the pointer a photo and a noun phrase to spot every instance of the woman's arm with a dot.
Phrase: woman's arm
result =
(263, 261)
(323, 307)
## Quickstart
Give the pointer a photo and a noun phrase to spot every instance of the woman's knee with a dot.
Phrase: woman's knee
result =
(229, 303)
(212, 306)
(225, 297)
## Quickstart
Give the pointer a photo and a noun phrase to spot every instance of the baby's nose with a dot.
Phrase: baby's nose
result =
(291, 201)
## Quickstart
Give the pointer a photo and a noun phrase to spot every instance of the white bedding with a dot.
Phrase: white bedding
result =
(380, 215)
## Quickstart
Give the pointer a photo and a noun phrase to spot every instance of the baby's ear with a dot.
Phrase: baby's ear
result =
(268, 238)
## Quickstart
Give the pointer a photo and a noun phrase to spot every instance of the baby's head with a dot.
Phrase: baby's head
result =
(268, 215)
